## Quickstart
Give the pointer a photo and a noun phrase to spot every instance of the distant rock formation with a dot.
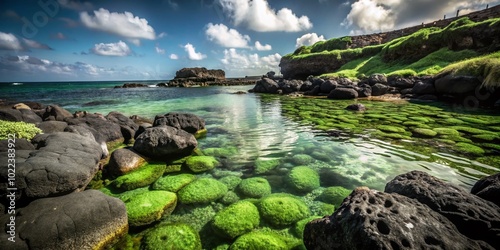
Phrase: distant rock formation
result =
(190, 77)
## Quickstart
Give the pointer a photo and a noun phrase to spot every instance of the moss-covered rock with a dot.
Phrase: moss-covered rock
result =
(200, 133)
(174, 182)
(202, 190)
(471, 130)
(148, 207)
(264, 166)
(221, 152)
(230, 181)
(175, 165)
(302, 159)
(298, 229)
(303, 179)
(334, 195)
(391, 129)
(199, 164)
(486, 137)
(172, 236)
(259, 240)
(141, 177)
(469, 149)
(229, 198)
(237, 219)
(415, 124)
(282, 209)
(255, 187)
(424, 132)
(447, 131)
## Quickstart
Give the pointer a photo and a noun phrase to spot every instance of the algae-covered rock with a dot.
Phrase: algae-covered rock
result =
(199, 164)
(264, 166)
(172, 236)
(229, 198)
(148, 207)
(141, 177)
(230, 181)
(282, 209)
(221, 152)
(303, 179)
(255, 187)
(391, 129)
(175, 165)
(173, 183)
(301, 224)
(446, 131)
(334, 195)
(424, 132)
(259, 240)
(302, 159)
(237, 219)
(202, 190)
(469, 149)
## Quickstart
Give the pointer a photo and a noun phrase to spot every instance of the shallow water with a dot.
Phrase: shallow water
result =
(274, 127)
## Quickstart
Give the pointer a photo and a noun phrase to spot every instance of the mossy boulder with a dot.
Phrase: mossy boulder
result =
(148, 207)
(259, 240)
(264, 166)
(237, 219)
(175, 165)
(221, 152)
(230, 181)
(301, 224)
(199, 164)
(174, 182)
(469, 149)
(282, 209)
(302, 159)
(447, 131)
(172, 236)
(334, 195)
(202, 190)
(303, 179)
(424, 132)
(391, 129)
(229, 198)
(255, 187)
(141, 177)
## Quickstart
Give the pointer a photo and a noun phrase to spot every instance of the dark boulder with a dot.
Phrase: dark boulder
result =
(368, 219)
(343, 93)
(456, 85)
(19, 115)
(488, 188)
(266, 85)
(474, 217)
(142, 128)
(165, 141)
(124, 160)
(364, 90)
(63, 163)
(82, 220)
(356, 107)
(327, 86)
(306, 86)
(88, 132)
(21, 144)
(290, 86)
(52, 126)
(421, 88)
(55, 113)
(103, 129)
(401, 83)
(314, 91)
(127, 126)
(188, 122)
(379, 89)
(377, 78)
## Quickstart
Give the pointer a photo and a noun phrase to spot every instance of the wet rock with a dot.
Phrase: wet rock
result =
(379, 89)
(266, 85)
(456, 84)
(314, 92)
(428, 97)
(401, 83)
(488, 188)
(421, 88)
(364, 90)
(127, 126)
(327, 86)
(55, 113)
(165, 141)
(377, 78)
(343, 93)
(356, 107)
(142, 128)
(82, 220)
(101, 128)
(474, 217)
(52, 126)
(306, 86)
(368, 219)
(188, 122)
(124, 160)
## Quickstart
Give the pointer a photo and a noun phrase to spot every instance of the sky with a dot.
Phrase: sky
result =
(77, 40)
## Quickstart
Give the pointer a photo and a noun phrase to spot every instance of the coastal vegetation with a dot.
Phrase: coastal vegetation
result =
(19, 129)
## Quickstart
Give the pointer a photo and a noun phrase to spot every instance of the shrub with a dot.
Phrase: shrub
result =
(20, 129)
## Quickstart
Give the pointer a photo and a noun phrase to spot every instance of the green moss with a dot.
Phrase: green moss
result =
(172, 236)
(424, 132)
(390, 135)
(141, 177)
(422, 119)
(415, 124)
(282, 209)
(471, 130)
(469, 149)
(221, 152)
(237, 219)
(446, 131)
(148, 207)
(455, 138)
(302, 159)
(325, 209)
(175, 165)
(173, 183)
(229, 198)
(255, 187)
(334, 195)
(452, 121)
(230, 181)
(301, 224)
(20, 129)
(264, 166)
(303, 179)
(491, 146)
(391, 129)
(202, 190)
(199, 164)
(259, 240)
(486, 137)
(200, 133)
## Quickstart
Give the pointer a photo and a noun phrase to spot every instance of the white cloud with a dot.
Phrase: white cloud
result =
(162, 35)
(111, 49)
(173, 5)
(308, 39)
(370, 16)
(240, 64)
(226, 37)
(122, 24)
(260, 47)
(35, 45)
(9, 42)
(257, 15)
(192, 54)
(159, 50)
(174, 56)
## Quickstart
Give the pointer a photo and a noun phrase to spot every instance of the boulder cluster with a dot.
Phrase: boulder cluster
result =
(415, 211)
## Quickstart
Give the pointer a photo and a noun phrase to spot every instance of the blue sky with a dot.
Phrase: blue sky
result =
(72, 40)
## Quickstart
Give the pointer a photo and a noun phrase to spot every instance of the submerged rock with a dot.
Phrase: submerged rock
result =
(124, 160)
(237, 219)
(172, 236)
(356, 107)
(164, 141)
(282, 209)
(148, 207)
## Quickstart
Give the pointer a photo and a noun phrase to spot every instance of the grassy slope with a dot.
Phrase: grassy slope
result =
(402, 56)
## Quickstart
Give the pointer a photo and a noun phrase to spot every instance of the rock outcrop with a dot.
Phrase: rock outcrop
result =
(188, 122)
(164, 141)
(488, 188)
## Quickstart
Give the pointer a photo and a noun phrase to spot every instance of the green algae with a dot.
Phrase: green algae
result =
(423, 132)
(259, 240)
(303, 179)
(334, 195)
(141, 177)
(237, 219)
(301, 224)
(282, 209)
(391, 129)
(469, 149)
(264, 166)
(255, 187)
(202, 190)
(173, 183)
(221, 152)
(148, 207)
(172, 236)
(199, 164)
(301, 159)
(230, 181)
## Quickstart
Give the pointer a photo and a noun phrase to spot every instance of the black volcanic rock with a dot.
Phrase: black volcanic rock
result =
(188, 122)
(488, 188)
(164, 141)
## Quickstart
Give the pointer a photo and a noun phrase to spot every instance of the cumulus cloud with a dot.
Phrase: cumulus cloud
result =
(249, 64)
(122, 24)
(226, 37)
(174, 56)
(192, 54)
(308, 39)
(368, 16)
(111, 49)
(35, 45)
(257, 15)
(159, 50)
(261, 47)
(9, 42)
